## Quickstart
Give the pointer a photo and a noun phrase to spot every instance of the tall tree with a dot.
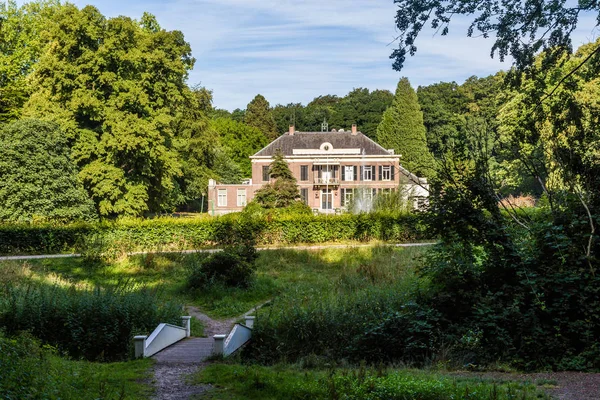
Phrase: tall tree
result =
(39, 179)
(240, 141)
(21, 43)
(402, 129)
(196, 144)
(259, 115)
(283, 191)
(115, 86)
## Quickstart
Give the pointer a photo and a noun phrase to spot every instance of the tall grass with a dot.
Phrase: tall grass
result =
(29, 371)
(363, 312)
(237, 382)
(94, 324)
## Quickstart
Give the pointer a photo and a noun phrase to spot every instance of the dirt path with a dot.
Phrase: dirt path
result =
(212, 326)
(560, 385)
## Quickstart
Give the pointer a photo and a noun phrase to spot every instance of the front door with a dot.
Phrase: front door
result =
(326, 199)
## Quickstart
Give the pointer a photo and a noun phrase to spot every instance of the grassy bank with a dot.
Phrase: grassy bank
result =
(320, 272)
(33, 372)
(238, 382)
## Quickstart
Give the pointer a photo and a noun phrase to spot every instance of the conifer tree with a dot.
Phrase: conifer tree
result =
(283, 191)
(259, 115)
(402, 129)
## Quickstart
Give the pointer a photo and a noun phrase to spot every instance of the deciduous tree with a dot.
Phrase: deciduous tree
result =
(39, 179)
(115, 86)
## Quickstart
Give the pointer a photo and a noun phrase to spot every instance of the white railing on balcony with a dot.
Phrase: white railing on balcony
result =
(327, 181)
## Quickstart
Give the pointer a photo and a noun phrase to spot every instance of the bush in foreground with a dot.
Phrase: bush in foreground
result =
(234, 267)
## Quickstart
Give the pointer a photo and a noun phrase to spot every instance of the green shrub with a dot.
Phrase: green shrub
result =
(92, 324)
(108, 239)
(234, 266)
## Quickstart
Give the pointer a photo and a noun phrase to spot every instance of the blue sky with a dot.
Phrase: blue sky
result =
(293, 51)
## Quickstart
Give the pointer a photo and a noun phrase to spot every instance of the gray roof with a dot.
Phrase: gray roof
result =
(313, 140)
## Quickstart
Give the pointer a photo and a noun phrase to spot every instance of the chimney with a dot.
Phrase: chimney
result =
(354, 131)
(292, 130)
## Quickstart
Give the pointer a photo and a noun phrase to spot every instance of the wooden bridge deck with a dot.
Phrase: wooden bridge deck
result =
(187, 351)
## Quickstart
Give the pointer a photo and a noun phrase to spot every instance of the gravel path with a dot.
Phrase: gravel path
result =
(560, 385)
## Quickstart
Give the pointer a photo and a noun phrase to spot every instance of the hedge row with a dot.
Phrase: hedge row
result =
(181, 234)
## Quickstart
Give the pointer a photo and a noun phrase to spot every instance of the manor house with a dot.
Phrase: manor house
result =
(332, 170)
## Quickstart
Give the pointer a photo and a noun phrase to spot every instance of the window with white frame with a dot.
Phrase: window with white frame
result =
(368, 173)
(349, 172)
(386, 173)
(241, 197)
(222, 198)
(347, 196)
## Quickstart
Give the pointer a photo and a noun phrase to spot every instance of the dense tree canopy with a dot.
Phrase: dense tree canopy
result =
(240, 140)
(402, 129)
(258, 114)
(361, 107)
(39, 180)
(115, 86)
(21, 43)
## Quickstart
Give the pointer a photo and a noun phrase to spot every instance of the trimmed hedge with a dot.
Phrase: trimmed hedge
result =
(182, 234)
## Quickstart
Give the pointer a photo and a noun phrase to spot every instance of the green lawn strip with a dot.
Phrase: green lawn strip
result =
(240, 382)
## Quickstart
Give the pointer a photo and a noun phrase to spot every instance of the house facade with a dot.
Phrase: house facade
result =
(333, 170)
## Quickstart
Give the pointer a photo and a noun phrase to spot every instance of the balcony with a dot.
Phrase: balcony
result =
(326, 182)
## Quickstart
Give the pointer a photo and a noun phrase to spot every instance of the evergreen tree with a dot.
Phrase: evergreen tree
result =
(259, 115)
(39, 179)
(283, 191)
(402, 129)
